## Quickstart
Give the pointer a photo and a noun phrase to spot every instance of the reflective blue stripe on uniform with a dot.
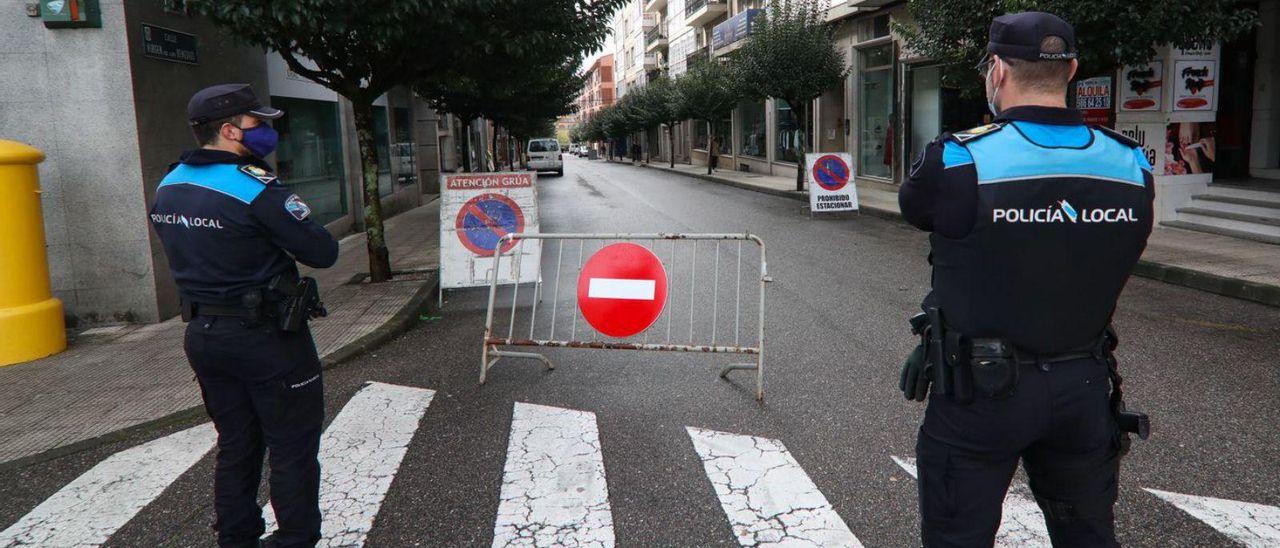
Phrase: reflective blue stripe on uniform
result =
(955, 155)
(222, 178)
(1008, 155)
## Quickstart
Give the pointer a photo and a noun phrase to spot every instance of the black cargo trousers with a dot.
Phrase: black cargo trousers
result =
(1058, 422)
(263, 389)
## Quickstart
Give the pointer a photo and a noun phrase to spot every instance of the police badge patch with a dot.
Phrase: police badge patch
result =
(296, 207)
(262, 175)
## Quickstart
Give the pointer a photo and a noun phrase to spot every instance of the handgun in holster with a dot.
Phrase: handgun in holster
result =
(1134, 422)
(948, 364)
(301, 303)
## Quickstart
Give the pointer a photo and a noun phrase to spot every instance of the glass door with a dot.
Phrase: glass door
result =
(875, 111)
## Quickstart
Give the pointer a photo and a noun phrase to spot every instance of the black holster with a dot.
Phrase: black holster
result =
(1133, 422)
(947, 356)
(301, 301)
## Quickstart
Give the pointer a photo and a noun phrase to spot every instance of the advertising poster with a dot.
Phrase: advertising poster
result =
(476, 210)
(1190, 148)
(1141, 87)
(1152, 138)
(1194, 89)
(1093, 99)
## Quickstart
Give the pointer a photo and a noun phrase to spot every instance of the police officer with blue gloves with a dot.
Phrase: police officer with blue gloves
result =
(1036, 222)
(233, 235)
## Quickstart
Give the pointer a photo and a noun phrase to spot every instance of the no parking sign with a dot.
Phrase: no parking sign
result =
(476, 211)
(831, 185)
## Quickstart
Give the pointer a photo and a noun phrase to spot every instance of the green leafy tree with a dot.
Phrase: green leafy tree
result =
(1108, 33)
(359, 50)
(656, 107)
(707, 93)
(792, 55)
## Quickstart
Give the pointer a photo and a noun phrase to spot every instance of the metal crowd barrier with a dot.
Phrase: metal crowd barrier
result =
(662, 334)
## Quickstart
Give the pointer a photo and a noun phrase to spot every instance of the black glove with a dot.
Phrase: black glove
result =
(914, 379)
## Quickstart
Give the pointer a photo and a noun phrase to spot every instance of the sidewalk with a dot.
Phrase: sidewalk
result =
(1233, 267)
(117, 377)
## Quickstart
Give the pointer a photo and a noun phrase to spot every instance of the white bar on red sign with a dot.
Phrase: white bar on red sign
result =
(614, 288)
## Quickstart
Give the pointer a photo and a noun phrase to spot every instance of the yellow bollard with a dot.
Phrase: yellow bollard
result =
(31, 322)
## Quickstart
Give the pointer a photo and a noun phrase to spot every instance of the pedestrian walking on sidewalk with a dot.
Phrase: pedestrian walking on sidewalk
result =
(232, 233)
(713, 153)
(1036, 222)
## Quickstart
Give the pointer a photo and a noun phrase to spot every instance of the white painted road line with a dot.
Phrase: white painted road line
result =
(95, 505)
(1253, 525)
(553, 485)
(360, 453)
(1021, 524)
(765, 493)
(614, 288)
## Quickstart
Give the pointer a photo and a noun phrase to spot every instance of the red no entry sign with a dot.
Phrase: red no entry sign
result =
(622, 289)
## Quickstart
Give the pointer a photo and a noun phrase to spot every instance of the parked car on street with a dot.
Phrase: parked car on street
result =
(544, 155)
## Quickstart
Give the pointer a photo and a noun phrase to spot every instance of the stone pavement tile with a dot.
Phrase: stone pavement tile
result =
(114, 377)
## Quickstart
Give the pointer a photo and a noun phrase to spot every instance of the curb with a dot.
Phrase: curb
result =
(400, 322)
(1175, 275)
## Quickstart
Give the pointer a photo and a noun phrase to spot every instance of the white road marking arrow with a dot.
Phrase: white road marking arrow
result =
(615, 288)
(1253, 525)
(766, 495)
(1021, 524)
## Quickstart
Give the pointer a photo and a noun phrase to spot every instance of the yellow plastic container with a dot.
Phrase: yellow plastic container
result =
(31, 320)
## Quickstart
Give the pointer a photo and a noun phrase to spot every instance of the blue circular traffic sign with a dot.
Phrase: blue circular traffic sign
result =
(485, 219)
(831, 172)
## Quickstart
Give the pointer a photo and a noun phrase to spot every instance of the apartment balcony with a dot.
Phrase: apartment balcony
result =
(696, 57)
(655, 39)
(652, 61)
(699, 13)
(649, 21)
(654, 5)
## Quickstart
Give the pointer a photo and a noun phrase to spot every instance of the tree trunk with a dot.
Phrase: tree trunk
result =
(466, 146)
(493, 146)
(671, 137)
(711, 153)
(379, 257)
(803, 109)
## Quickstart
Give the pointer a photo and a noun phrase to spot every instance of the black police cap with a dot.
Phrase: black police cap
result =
(225, 100)
(1018, 36)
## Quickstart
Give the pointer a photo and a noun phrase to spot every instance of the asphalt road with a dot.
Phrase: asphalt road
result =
(1204, 367)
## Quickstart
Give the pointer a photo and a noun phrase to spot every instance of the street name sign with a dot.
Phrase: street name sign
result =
(476, 211)
(622, 289)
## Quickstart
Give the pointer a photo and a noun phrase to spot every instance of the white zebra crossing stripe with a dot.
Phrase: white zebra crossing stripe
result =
(359, 456)
(87, 511)
(553, 484)
(1253, 525)
(765, 493)
(1021, 523)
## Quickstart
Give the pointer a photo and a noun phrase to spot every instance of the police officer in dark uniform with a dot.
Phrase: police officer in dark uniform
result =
(1036, 222)
(232, 233)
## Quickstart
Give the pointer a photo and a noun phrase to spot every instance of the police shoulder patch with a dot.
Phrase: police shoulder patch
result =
(296, 207)
(263, 176)
(967, 135)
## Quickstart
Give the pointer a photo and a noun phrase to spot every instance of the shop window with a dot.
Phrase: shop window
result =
(752, 129)
(382, 143)
(724, 136)
(875, 111)
(403, 148)
(937, 107)
(789, 133)
(309, 156)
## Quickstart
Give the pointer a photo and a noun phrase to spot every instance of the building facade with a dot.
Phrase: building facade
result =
(107, 105)
(598, 87)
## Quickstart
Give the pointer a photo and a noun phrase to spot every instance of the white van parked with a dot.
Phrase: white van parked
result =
(545, 155)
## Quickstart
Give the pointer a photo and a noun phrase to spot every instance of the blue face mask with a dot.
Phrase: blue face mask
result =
(260, 140)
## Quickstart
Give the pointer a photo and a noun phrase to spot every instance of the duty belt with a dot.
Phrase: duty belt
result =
(200, 309)
(980, 348)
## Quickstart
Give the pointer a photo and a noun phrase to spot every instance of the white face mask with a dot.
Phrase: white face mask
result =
(994, 91)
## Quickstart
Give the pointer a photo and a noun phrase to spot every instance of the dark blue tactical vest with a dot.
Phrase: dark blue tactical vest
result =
(1063, 214)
